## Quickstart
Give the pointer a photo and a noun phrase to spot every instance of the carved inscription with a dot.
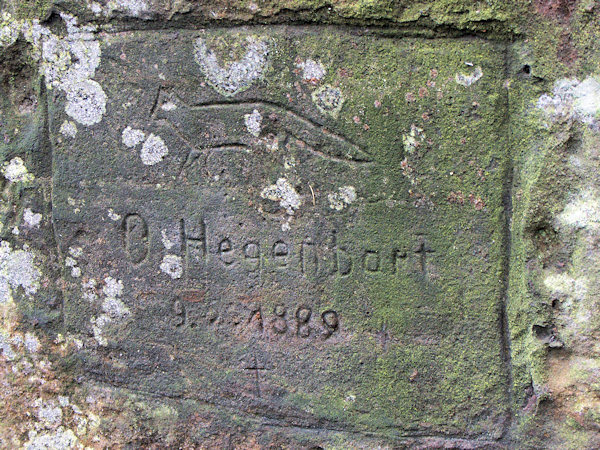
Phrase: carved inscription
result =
(302, 322)
(313, 260)
(195, 245)
(292, 252)
(255, 368)
(136, 238)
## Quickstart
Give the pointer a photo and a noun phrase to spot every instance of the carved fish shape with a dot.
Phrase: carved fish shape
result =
(214, 123)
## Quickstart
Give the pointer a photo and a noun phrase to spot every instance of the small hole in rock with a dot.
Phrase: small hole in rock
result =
(526, 69)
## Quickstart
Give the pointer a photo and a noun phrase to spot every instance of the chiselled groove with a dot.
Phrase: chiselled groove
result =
(278, 419)
(505, 344)
(318, 137)
(492, 30)
(198, 155)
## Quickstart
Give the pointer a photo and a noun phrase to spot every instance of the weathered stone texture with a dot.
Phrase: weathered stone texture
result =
(299, 224)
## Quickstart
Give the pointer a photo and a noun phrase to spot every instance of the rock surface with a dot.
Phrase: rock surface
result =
(301, 224)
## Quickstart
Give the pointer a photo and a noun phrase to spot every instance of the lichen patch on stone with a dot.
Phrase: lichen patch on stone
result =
(583, 212)
(171, 237)
(112, 215)
(154, 150)
(113, 309)
(68, 63)
(17, 269)
(9, 32)
(237, 76)
(68, 128)
(342, 198)
(135, 8)
(60, 439)
(31, 342)
(413, 139)
(469, 79)
(253, 123)
(312, 71)
(329, 100)
(172, 265)
(112, 287)
(284, 193)
(131, 137)
(572, 98)
(86, 102)
(50, 414)
(564, 284)
(32, 220)
(16, 172)
(168, 106)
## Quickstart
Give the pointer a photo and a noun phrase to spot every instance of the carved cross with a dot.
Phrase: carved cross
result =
(256, 368)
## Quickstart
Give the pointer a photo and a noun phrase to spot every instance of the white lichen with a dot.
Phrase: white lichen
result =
(413, 139)
(95, 7)
(328, 100)
(88, 289)
(59, 439)
(168, 106)
(582, 212)
(68, 63)
(17, 269)
(32, 220)
(9, 30)
(171, 237)
(253, 123)
(113, 308)
(31, 343)
(342, 198)
(131, 137)
(76, 252)
(70, 262)
(312, 71)
(563, 284)
(16, 172)
(573, 99)
(467, 80)
(238, 75)
(49, 414)
(86, 102)
(284, 193)
(172, 265)
(154, 150)
(134, 8)
(6, 347)
(112, 215)
(112, 287)
(68, 128)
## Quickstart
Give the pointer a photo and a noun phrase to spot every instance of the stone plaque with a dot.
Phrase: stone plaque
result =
(305, 224)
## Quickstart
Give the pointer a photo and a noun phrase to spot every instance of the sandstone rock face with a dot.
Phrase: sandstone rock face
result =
(305, 225)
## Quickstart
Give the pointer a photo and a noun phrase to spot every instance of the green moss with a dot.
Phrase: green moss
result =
(30, 9)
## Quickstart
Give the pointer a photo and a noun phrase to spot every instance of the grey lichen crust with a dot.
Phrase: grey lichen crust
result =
(68, 63)
(231, 78)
